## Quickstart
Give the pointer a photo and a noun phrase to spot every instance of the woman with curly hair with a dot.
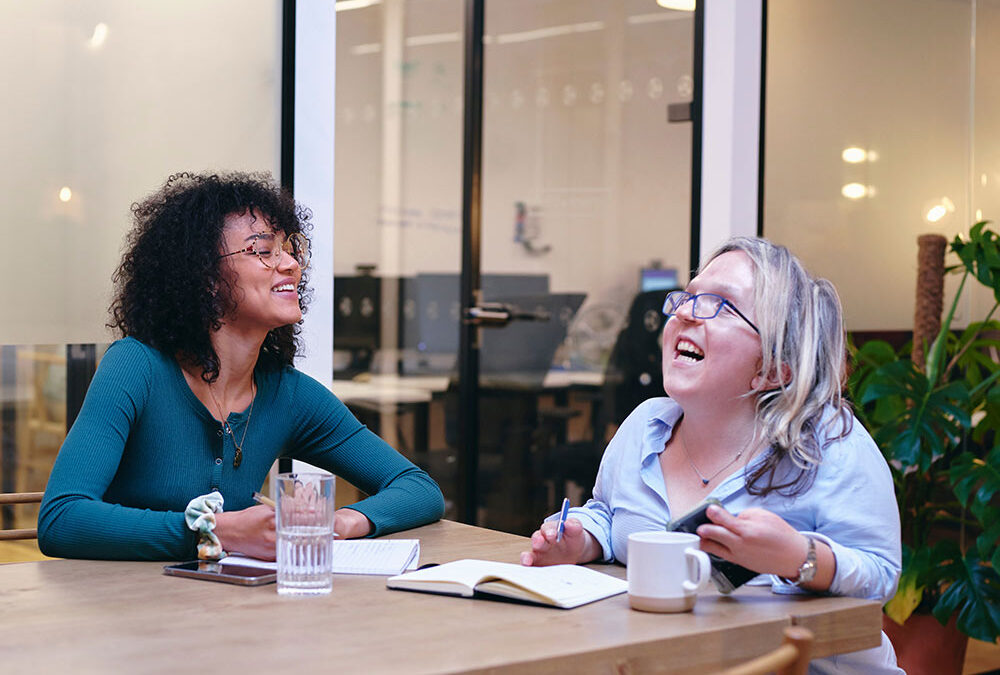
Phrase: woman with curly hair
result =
(189, 410)
(753, 364)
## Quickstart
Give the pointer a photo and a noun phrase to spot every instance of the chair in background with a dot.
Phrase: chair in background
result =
(634, 373)
(791, 658)
(43, 424)
(7, 500)
(635, 367)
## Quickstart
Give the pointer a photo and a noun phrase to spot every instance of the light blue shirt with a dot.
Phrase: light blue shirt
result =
(850, 505)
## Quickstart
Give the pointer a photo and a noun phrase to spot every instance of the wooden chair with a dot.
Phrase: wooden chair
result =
(791, 658)
(42, 420)
(20, 498)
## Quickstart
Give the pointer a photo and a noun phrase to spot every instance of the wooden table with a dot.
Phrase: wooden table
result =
(85, 616)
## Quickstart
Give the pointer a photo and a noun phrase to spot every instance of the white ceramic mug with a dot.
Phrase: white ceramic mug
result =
(665, 571)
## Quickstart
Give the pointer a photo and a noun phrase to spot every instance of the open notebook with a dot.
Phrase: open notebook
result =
(563, 586)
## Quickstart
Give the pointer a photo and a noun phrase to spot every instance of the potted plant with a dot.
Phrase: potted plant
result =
(937, 425)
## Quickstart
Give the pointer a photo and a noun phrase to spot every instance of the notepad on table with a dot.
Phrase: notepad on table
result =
(563, 586)
(375, 556)
(358, 556)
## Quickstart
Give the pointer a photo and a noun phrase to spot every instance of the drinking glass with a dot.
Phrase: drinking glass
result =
(304, 522)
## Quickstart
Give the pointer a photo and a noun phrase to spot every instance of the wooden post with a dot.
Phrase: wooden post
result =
(930, 294)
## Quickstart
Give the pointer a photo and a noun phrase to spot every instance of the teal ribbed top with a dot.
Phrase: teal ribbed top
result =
(143, 446)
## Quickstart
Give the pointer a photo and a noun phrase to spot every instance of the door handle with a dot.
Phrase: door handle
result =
(499, 314)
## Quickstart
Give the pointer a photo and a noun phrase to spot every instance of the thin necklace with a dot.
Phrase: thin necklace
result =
(238, 457)
(705, 481)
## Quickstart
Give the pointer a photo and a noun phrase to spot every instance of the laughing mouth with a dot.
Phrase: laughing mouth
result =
(283, 288)
(689, 351)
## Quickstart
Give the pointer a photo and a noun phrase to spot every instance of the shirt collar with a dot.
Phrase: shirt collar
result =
(660, 426)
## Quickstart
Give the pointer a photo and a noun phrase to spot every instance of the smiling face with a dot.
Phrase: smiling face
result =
(714, 361)
(265, 298)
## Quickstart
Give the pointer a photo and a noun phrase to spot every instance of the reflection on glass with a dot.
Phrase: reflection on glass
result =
(854, 190)
(108, 109)
(584, 184)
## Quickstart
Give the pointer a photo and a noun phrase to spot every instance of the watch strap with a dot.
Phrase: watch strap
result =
(807, 570)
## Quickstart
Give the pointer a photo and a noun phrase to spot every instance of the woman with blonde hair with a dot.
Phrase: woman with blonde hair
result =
(753, 365)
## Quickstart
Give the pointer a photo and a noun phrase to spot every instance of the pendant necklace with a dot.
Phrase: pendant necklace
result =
(705, 481)
(238, 457)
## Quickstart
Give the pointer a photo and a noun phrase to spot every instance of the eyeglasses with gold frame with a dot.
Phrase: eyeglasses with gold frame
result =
(268, 248)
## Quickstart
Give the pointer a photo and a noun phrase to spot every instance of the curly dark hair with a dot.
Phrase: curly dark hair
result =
(169, 287)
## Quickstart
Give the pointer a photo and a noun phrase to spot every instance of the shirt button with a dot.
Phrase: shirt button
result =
(218, 432)
(218, 461)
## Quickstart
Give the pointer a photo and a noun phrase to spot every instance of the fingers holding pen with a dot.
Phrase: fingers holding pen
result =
(547, 549)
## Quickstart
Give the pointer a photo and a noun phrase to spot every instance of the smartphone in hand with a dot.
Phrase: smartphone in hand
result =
(727, 576)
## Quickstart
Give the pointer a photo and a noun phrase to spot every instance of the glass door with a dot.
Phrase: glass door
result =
(585, 225)
(585, 202)
(398, 229)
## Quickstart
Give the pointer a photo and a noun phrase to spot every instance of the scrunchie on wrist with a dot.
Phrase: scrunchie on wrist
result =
(200, 517)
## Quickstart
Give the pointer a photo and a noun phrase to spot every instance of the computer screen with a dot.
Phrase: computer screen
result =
(657, 279)
(357, 303)
(528, 347)
(431, 311)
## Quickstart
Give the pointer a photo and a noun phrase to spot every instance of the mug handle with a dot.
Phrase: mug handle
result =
(704, 570)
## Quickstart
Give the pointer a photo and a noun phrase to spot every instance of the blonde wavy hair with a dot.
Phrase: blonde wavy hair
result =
(803, 347)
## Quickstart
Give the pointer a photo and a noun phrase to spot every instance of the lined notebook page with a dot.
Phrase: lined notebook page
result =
(357, 556)
(375, 556)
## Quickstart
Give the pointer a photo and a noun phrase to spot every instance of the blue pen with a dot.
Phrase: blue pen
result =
(562, 519)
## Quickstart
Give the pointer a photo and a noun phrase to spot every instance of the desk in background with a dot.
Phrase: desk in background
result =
(524, 419)
(98, 617)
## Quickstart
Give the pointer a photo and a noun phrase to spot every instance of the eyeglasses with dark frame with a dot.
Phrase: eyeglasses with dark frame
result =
(268, 249)
(703, 306)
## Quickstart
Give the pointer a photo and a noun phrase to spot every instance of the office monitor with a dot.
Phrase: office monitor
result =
(523, 351)
(657, 279)
(431, 315)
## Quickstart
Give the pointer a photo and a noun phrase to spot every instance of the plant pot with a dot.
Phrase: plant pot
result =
(925, 647)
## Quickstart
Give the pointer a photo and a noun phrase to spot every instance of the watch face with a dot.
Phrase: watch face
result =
(808, 569)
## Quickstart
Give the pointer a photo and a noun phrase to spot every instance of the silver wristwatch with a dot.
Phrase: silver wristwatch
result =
(807, 570)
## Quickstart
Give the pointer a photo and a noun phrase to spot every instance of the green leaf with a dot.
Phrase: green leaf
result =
(975, 595)
(907, 598)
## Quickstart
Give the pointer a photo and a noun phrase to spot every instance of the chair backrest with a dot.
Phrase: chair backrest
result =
(791, 658)
(634, 371)
(19, 498)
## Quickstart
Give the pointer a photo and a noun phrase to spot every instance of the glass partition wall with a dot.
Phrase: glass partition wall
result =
(880, 127)
(112, 97)
(585, 203)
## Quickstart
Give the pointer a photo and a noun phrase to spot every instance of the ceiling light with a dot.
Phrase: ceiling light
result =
(854, 190)
(854, 155)
(99, 36)
(344, 5)
(680, 5)
(936, 213)
(939, 210)
(65, 194)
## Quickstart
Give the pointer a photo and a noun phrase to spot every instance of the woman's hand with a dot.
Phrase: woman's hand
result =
(764, 542)
(250, 531)
(350, 524)
(577, 545)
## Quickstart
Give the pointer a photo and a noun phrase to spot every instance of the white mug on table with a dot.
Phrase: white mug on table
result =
(665, 571)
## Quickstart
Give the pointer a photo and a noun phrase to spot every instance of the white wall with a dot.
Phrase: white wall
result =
(574, 127)
(892, 77)
(731, 121)
(315, 67)
(184, 85)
